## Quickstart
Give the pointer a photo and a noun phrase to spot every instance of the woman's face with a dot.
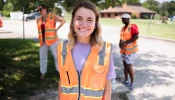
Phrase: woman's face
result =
(84, 22)
(42, 11)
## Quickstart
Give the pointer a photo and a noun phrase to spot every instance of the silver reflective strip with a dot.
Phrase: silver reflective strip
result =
(50, 37)
(102, 55)
(69, 90)
(92, 93)
(85, 92)
(131, 48)
(64, 52)
(50, 30)
(39, 32)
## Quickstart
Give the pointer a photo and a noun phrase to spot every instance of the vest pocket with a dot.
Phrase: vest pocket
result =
(66, 69)
(99, 68)
(98, 76)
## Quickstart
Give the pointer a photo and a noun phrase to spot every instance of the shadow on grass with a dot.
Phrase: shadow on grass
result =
(19, 69)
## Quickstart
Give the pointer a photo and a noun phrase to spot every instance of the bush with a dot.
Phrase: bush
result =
(133, 17)
(8, 7)
(6, 13)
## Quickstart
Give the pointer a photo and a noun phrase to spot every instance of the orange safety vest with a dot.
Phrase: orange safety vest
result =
(126, 35)
(50, 31)
(89, 84)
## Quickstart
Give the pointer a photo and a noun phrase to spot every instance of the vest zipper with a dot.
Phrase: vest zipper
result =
(68, 77)
(79, 84)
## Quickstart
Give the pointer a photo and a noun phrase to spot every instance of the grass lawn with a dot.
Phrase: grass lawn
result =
(19, 69)
(156, 27)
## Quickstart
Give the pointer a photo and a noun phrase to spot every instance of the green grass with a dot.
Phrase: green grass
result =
(19, 69)
(156, 28)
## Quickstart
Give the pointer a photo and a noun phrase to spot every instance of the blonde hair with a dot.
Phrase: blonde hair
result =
(95, 39)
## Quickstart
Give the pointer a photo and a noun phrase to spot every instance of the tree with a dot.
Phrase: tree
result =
(1, 5)
(132, 1)
(29, 5)
(171, 8)
(8, 7)
(69, 4)
(164, 9)
(152, 5)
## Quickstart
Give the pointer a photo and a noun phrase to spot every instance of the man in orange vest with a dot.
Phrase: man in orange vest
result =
(128, 48)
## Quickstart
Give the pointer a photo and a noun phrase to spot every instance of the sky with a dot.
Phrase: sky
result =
(158, 0)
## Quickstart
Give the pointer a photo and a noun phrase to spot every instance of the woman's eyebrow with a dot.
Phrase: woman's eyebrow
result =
(89, 18)
(79, 16)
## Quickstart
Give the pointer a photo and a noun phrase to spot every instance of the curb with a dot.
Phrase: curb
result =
(157, 38)
(2, 32)
(118, 90)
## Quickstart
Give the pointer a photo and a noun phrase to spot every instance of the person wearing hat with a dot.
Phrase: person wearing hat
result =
(128, 48)
(47, 33)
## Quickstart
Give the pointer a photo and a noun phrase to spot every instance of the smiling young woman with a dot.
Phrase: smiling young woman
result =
(85, 62)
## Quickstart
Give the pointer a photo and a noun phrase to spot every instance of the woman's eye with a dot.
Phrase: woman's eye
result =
(79, 18)
(90, 20)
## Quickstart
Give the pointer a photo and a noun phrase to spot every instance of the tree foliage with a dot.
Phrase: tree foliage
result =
(30, 5)
(171, 8)
(152, 5)
(164, 9)
(8, 7)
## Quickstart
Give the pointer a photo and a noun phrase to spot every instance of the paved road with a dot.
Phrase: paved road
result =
(154, 65)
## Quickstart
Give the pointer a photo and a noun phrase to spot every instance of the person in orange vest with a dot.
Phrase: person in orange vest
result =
(128, 48)
(47, 36)
(85, 61)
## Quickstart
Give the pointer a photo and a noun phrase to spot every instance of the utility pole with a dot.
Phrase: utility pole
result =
(149, 23)
(23, 21)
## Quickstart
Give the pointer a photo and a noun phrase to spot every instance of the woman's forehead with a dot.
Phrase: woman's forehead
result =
(84, 12)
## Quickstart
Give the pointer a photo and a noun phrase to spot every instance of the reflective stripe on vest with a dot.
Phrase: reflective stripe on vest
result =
(64, 51)
(86, 92)
(92, 93)
(70, 90)
(132, 48)
(101, 55)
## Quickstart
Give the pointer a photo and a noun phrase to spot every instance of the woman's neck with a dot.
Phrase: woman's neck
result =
(44, 15)
(84, 40)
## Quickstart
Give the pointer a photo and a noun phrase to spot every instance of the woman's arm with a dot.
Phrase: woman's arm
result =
(59, 19)
(107, 91)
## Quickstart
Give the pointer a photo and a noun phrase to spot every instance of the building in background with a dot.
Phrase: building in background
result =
(133, 10)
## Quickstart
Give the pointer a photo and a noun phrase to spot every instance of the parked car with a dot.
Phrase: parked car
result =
(32, 16)
(1, 23)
